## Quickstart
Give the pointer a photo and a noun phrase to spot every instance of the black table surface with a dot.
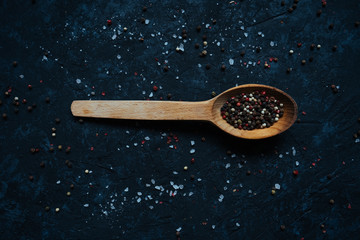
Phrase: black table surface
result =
(128, 178)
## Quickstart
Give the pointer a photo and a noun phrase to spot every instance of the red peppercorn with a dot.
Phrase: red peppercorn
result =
(155, 88)
(192, 160)
(238, 104)
(299, 44)
(109, 22)
(29, 86)
(295, 172)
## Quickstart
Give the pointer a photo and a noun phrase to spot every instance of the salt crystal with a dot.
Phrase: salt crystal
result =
(238, 224)
(151, 94)
(157, 187)
(166, 43)
(151, 207)
(175, 187)
(152, 181)
(192, 143)
(227, 165)
(78, 81)
(138, 200)
(192, 151)
(118, 56)
(181, 186)
(126, 189)
(357, 140)
(297, 163)
(58, 182)
(86, 205)
(242, 28)
(178, 229)
(213, 226)
(293, 151)
(171, 183)
(221, 198)
(280, 156)
(246, 34)
(147, 21)
(113, 37)
(199, 179)
(175, 172)
(277, 186)
(272, 43)
(171, 146)
(218, 43)
(231, 61)
(139, 193)
(147, 138)
(191, 193)
(233, 155)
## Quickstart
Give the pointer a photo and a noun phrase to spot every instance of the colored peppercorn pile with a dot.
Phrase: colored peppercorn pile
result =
(252, 111)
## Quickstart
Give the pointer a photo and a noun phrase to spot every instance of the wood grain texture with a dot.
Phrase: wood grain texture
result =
(177, 110)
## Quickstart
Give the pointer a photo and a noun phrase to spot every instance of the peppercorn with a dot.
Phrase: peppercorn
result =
(288, 70)
(57, 120)
(318, 13)
(169, 96)
(228, 152)
(69, 164)
(86, 171)
(192, 160)
(60, 147)
(331, 26)
(358, 132)
(222, 49)
(47, 208)
(332, 201)
(34, 105)
(296, 1)
(213, 94)
(318, 46)
(203, 53)
(47, 99)
(359, 120)
(312, 46)
(42, 164)
(142, 20)
(290, 10)
(357, 24)
(125, 29)
(248, 172)
(311, 59)
(329, 176)
(294, 6)
(203, 139)
(144, 8)
(334, 48)
(192, 177)
(291, 51)
(14, 63)
(141, 39)
(7, 94)
(273, 192)
(322, 226)
(205, 43)
(4, 116)
(0, 102)
(242, 53)
(223, 67)
(282, 227)
(207, 66)
(177, 233)
(303, 62)
(197, 45)
(29, 108)
(257, 49)
(109, 22)
(51, 149)
(31, 178)
(214, 21)
(198, 28)
(355, 135)
(204, 37)
(184, 36)
(282, 3)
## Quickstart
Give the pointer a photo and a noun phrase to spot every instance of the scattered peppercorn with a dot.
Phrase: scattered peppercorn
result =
(282, 227)
(290, 10)
(318, 13)
(198, 28)
(14, 63)
(72, 186)
(177, 233)
(47, 99)
(355, 135)
(204, 37)
(303, 62)
(329, 176)
(51, 149)
(332, 201)
(282, 3)
(205, 43)
(42, 164)
(203, 53)
(144, 9)
(169, 96)
(296, 1)
(7, 94)
(312, 46)
(57, 210)
(185, 168)
(213, 94)
(334, 48)
(68, 194)
(31, 177)
(203, 139)
(141, 39)
(273, 192)
(4, 116)
(47, 208)
(184, 35)
(207, 66)
(318, 46)
(294, 6)
(142, 20)
(331, 26)
(258, 49)
(29, 108)
(357, 24)
(109, 22)
(197, 45)
(296, 172)
(68, 149)
(242, 53)
(125, 29)
(223, 67)
(57, 120)
(322, 226)
(60, 147)
(222, 49)
(86, 171)
(214, 21)
(192, 177)
(0, 102)
(248, 172)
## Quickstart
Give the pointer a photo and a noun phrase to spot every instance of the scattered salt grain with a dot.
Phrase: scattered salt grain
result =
(231, 61)
(192, 151)
(277, 186)
(192, 143)
(86, 205)
(227, 165)
(221, 198)
(78, 81)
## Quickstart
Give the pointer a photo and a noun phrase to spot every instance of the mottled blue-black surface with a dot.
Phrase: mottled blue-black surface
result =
(136, 187)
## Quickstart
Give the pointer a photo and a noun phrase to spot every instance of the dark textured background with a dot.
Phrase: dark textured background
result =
(78, 44)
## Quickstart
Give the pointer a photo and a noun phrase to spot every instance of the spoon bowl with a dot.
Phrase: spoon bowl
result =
(285, 122)
(180, 110)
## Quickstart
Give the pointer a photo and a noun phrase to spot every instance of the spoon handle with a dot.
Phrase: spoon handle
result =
(142, 110)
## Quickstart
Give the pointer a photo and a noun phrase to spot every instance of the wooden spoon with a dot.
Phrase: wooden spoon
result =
(180, 110)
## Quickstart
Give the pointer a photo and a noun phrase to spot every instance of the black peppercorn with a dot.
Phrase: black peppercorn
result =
(334, 48)
(257, 49)
(42, 164)
(204, 37)
(4, 116)
(51, 149)
(222, 49)
(332, 201)
(29, 108)
(184, 35)
(47, 208)
(142, 20)
(282, 227)
(57, 120)
(47, 99)
(141, 39)
(203, 139)
(14, 63)
(213, 94)
(312, 46)
(144, 8)
(290, 10)
(242, 53)
(294, 6)
(288, 70)
(223, 67)
(166, 68)
(318, 13)
(177, 233)
(357, 24)
(72, 186)
(214, 21)
(169, 96)
(34, 105)
(0, 102)
(311, 59)
(355, 135)
(296, 1)
(198, 28)
(197, 45)
(248, 172)
(329, 176)
(7, 94)
(31, 178)
(331, 26)
(303, 62)
(282, 3)
(207, 66)
(192, 177)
